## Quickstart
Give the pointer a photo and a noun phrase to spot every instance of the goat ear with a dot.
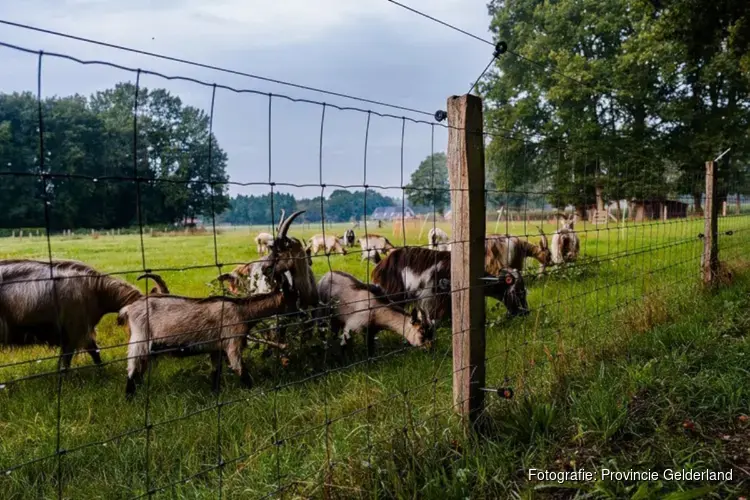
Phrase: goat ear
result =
(415, 316)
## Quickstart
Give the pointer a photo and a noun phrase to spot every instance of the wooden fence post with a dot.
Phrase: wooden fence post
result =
(466, 171)
(710, 257)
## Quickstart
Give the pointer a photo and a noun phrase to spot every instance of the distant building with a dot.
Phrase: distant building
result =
(390, 213)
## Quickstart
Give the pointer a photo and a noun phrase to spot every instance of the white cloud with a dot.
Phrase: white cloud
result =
(247, 24)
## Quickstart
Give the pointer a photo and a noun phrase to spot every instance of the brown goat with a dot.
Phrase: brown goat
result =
(58, 304)
(198, 325)
(502, 251)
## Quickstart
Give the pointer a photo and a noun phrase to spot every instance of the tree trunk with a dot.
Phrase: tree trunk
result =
(599, 198)
(580, 211)
(739, 204)
(697, 198)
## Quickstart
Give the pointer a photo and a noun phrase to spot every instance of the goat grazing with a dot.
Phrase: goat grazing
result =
(58, 303)
(376, 242)
(263, 243)
(372, 255)
(422, 276)
(438, 239)
(565, 243)
(328, 244)
(199, 325)
(349, 237)
(358, 307)
(503, 251)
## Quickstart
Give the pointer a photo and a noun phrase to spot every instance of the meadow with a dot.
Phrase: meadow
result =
(316, 426)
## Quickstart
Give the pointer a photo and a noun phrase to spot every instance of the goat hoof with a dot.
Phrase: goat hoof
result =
(130, 389)
(247, 381)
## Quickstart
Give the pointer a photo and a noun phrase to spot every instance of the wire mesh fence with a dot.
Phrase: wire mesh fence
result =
(342, 345)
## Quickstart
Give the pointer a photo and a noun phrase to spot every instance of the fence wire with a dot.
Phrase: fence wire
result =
(321, 420)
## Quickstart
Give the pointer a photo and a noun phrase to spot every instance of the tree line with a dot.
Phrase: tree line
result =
(85, 170)
(626, 99)
(340, 206)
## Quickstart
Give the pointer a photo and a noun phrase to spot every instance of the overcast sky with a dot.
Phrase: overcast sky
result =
(369, 48)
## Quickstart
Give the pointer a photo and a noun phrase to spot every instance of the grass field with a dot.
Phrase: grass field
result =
(619, 323)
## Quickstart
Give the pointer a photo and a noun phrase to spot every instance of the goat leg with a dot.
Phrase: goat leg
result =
(93, 350)
(371, 332)
(66, 353)
(217, 361)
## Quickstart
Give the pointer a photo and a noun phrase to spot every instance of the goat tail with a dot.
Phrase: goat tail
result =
(161, 286)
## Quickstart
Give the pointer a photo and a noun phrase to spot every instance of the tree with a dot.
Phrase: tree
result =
(562, 131)
(429, 184)
(622, 95)
(179, 167)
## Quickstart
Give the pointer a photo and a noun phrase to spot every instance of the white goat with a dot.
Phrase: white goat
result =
(438, 239)
(263, 242)
(328, 244)
(565, 243)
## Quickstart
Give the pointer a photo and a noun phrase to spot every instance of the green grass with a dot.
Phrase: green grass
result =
(619, 352)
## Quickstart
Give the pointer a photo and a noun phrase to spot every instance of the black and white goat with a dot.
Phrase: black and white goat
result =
(422, 276)
(349, 238)
(58, 304)
(359, 307)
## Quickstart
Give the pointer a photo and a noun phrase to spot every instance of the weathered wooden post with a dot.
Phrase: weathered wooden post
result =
(710, 257)
(466, 171)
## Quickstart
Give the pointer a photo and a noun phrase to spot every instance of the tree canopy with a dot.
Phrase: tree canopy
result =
(626, 99)
(429, 185)
(89, 148)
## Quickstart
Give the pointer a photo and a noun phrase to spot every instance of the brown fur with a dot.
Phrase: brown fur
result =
(34, 309)
(502, 251)
(208, 325)
(422, 276)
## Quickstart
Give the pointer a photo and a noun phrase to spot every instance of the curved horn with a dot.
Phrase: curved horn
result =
(284, 226)
(281, 220)
(543, 238)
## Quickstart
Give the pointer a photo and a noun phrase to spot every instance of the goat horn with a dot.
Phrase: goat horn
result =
(281, 220)
(543, 237)
(284, 227)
